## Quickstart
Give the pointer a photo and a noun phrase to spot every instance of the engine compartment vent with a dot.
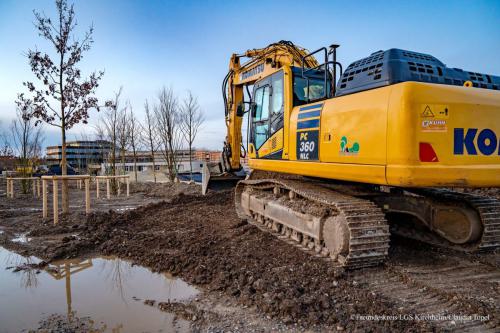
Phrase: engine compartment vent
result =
(393, 66)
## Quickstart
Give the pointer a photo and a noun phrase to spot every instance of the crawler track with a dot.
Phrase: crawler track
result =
(368, 229)
(487, 208)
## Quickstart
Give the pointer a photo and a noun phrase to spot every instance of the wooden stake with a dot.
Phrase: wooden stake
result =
(107, 188)
(128, 186)
(97, 187)
(55, 203)
(87, 196)
(44, 198)
(64, 196)
(118, 184)
(38, 188)
(33, 185)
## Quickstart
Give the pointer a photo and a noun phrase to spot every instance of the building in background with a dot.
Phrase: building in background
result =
(7, 163)
(84, 156)
(144, 164)
(207, 156)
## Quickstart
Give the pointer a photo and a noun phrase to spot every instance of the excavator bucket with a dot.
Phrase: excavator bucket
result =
(215, 179)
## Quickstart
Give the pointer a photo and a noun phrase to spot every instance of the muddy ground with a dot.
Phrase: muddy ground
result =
(252, 281)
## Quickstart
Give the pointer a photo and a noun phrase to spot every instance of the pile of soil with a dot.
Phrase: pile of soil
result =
(164, 190)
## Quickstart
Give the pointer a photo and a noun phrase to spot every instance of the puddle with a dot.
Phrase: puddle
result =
(22, 209)
(105, 294)
(21, 238)
(125, 208)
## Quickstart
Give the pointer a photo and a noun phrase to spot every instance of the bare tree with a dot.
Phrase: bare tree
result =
(5, 143)
(149, 136)
(27, 141)
(167, 118)
(123, 135)
(190, 120)
(108, 127)
(100, 135)
(134, 132)
(61, 80)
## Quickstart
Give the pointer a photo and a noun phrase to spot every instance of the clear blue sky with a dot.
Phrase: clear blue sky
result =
(144, 45)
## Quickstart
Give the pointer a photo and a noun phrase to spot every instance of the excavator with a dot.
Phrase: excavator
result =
(399, 137)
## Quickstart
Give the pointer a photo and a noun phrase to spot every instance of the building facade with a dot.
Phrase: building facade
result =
(144, 164)
(81, 155)
(207, 156)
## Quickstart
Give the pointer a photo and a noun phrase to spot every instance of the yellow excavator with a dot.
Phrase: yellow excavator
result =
(330, 160)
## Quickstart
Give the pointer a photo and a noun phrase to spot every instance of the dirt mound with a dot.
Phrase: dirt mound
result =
(164, 190)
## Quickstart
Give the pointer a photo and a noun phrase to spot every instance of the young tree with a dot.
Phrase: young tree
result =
(5, 143)
(108, 127)
(101, 136)
(63, 96)
(167, 118)
(134, 131)
(27, 141)
(190, 120)
(123, 135)
(149, 136)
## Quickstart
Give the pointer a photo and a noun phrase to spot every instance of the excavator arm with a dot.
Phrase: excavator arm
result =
(244, 71)
(258, 64)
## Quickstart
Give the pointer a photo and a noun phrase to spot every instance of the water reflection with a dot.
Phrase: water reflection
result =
(64, 271)
(98, 293)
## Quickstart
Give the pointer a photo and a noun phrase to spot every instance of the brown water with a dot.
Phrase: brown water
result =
(106, 294)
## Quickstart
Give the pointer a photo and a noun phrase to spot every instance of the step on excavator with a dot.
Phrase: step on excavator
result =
(330, 161)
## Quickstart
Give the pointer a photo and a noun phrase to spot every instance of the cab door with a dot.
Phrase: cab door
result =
(259, 122)
(266, 123)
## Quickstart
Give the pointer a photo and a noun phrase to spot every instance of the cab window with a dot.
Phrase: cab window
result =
(278, 93)
(260, 121)
(262, 103)
(303, 92)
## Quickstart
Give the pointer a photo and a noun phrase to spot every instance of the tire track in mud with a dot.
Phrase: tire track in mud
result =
(455, 286)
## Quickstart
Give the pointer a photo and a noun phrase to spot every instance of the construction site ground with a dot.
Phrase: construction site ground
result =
(253, 281)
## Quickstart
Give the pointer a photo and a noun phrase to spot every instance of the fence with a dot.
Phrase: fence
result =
(108, 179)
(35, 185)
(55, 190)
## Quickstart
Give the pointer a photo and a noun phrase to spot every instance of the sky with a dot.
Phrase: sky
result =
(186, 45)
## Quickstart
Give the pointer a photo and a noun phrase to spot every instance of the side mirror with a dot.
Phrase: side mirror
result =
(240, 109)
(253, 108)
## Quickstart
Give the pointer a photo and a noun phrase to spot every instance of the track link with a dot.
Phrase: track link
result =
(368, 228)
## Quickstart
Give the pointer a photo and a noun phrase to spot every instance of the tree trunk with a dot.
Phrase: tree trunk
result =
(190, 163)
(122, 155)
(135, 166)
(64, 172)
(154, 164)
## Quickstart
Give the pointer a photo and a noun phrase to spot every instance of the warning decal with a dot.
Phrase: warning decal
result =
(427, 112)
(434, 111)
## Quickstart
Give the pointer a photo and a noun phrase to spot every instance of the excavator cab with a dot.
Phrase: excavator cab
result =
(283, 76)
